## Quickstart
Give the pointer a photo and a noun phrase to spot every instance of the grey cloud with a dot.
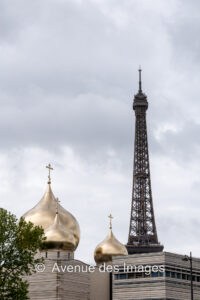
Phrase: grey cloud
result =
(68, 73)
(183, 146)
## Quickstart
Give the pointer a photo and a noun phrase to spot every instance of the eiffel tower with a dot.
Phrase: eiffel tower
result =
(142, 232)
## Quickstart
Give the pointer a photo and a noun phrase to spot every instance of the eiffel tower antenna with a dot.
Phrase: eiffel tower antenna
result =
(140, 79)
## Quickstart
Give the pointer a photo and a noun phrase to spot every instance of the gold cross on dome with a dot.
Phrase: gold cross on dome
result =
(49, 176)
(110, 217)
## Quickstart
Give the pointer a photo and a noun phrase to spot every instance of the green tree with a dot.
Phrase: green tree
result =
(19, 242)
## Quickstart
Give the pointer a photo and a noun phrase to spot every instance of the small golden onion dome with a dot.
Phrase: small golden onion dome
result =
(108, 248)
(58, 237)
(43, 213)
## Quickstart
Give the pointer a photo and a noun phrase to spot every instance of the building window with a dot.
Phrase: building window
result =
(139, 275)
(184, 276)
(154, 274)
(173, 274)
(131, 275)
(120, 276)
(168, 274)
(177, 273)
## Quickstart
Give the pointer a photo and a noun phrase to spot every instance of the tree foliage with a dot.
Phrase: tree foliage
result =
(19, 242)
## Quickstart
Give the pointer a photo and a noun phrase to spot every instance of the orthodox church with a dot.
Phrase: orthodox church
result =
(139, 270)
(62, 276)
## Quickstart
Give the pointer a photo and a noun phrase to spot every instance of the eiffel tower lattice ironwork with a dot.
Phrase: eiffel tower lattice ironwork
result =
(142, 233)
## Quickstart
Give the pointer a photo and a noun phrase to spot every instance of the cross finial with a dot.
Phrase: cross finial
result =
(57, 202)
(110, 217)
(140, 79)
(49, 176)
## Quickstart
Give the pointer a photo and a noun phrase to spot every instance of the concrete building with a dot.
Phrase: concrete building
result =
(61, 277)
(169, 278)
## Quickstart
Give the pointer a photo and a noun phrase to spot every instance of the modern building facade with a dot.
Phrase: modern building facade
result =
(160, 275)
(64, 278)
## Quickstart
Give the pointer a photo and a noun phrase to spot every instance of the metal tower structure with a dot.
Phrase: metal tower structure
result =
(142, 232)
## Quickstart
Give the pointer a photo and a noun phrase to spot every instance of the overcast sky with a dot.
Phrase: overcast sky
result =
(68, 75)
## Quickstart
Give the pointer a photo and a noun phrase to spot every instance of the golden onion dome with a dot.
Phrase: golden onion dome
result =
(108, 248)
(43, 214)
(58, 237)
